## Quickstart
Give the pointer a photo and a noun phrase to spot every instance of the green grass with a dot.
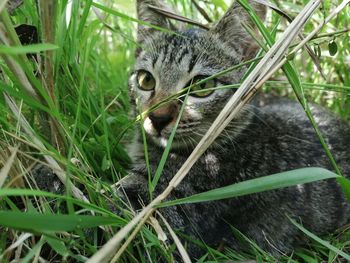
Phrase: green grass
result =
(74, 96)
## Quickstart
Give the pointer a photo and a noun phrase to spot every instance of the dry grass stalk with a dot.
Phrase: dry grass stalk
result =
(180, 247)
(202, 11)
(14, 176)
(3, 5)
(7, 166)
(177, 17)
(47, 12)
(120, 251)
(50, 160)
(16, 68)
(9, 37)
(239, 99)
(158, 228)
(335, 12)
(20, 240)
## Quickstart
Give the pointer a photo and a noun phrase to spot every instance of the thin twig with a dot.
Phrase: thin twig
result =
(177, 17)
(331, 34)
(7, 166)
(312, 35)
(312, 54)
(3, 4)
(180, 247)
(131, 237)
(202, 11)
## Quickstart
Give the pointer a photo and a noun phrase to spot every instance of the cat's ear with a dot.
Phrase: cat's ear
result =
(147, 14)
(231, 31)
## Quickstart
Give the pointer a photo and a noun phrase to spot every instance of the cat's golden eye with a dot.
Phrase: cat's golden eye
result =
(204, 89)
(145, 80)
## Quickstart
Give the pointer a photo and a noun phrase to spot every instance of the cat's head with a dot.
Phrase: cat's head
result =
(167, 63)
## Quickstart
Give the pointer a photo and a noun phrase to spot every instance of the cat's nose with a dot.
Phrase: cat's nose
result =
(159, 121)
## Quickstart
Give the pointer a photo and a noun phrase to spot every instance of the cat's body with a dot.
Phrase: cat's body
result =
(278, 138)
(270, 135)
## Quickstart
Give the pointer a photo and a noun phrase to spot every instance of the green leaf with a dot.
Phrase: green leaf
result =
(291, 56)
(345, 184)
(27, 192)
(319, 240)
(25, 97)
(333, 48)
(265, 183)
(51, 222)
(33, 251)
(168, 146)
(57, 245)
(306, 258)
(129, 18)
(220, 3)
(106, 164)
(36, 48)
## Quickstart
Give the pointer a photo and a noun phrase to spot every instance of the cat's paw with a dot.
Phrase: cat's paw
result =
(132, 190)
(47, 180)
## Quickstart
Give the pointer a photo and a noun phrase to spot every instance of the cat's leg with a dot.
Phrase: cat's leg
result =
(273, 233)
(45, 179)
(133, 189)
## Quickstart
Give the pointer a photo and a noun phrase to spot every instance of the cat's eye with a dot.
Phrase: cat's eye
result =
(203, 89)
(145, 80)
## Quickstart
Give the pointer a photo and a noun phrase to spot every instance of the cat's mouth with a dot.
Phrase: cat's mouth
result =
(186, 136)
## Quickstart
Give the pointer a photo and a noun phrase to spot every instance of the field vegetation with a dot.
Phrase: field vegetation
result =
(64, 107)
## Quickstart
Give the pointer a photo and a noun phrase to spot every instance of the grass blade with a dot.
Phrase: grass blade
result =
(168, 146)
(319, 240)
(35, 48)
(265, 183)
(52, 222)
(6, 168)
(37, 193)
(126, 17)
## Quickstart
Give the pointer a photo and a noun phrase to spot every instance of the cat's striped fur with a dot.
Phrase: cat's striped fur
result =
(269, 136)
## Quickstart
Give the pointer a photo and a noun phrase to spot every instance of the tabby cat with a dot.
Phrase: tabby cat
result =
(270, 135)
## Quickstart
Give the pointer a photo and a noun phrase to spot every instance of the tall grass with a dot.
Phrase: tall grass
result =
(71, 99)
